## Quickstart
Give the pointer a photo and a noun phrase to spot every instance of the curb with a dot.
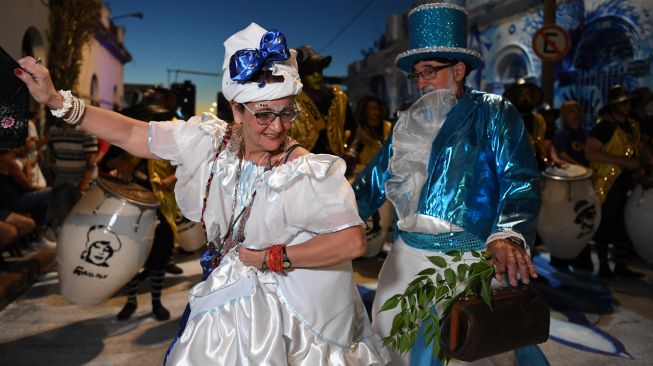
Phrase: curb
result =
(23, 272)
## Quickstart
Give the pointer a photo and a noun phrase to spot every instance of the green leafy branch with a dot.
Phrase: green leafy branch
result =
(423, 294)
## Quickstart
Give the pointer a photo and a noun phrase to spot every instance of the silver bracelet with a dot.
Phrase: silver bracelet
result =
(67, 104)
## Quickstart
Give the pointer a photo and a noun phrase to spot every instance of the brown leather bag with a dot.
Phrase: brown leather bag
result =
(518, 318)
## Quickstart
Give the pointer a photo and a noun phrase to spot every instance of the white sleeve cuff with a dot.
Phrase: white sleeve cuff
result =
(509, 234)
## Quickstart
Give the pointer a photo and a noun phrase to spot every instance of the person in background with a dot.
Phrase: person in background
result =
(156, 104)
(613, 149)
(458, 169)
(569, 140)
(74, 163)
(372, 131)
(224, 109)
(525, 96)
(8, 235)
(642, 111)
(326, 122)
(30, 155)
(18, 194)
(569, 144)
(14, 226)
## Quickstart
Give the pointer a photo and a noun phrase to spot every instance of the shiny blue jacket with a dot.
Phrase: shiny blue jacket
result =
(482, 175)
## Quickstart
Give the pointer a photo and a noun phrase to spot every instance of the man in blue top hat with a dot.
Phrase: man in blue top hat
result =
(458, 168)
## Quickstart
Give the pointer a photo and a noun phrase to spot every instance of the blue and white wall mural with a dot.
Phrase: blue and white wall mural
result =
(611, 42)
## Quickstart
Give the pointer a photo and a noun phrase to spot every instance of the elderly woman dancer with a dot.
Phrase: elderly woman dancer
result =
(281, 223)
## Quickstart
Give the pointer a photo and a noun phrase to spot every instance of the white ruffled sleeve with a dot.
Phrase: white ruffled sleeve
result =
(327, 201)
(191, 147)
(309, 195)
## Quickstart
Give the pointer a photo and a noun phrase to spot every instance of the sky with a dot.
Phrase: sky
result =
(188, 35)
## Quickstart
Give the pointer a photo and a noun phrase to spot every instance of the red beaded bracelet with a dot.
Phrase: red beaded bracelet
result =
(275, 258)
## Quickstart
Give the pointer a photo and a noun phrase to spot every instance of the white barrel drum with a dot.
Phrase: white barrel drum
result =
(190, 234)
(638, 217)
(570, 212)
(105, 240)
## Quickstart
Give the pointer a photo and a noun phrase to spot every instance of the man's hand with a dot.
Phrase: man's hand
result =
(510, 258)
(123, 167)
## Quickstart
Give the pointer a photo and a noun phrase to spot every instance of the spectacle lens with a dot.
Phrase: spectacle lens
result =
(428, 72)
(266, 118)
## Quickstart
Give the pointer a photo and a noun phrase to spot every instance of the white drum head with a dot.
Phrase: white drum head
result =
(567, 172)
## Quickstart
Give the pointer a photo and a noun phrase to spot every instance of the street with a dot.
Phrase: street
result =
(41, 327)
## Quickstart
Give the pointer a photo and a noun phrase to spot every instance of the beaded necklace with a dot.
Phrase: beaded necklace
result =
(215, 250)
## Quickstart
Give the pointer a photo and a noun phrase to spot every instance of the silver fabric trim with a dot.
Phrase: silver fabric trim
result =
(342, 227)
(436, 6)
(438, 49)
(149, 137)
(507, 234)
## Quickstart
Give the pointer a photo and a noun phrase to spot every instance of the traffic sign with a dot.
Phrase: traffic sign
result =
(551, 43)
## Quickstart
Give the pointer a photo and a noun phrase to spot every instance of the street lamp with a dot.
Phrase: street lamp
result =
(138, 15)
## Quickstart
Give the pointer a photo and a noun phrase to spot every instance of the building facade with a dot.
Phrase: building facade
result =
(25, 26)
(611, 42)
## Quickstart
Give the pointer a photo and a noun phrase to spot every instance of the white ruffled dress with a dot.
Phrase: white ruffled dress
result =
(242, 316)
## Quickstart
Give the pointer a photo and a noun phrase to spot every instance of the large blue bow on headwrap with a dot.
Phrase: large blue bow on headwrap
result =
(245, 63)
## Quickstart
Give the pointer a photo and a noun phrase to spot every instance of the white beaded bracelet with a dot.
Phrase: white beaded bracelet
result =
(67, 104)
(77, 113)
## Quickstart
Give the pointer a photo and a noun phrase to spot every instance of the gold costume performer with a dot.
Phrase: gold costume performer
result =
(613, 151)
(526, 96)
(325, 122)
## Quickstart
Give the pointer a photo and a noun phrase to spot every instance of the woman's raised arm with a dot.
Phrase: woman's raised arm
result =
(127, 133)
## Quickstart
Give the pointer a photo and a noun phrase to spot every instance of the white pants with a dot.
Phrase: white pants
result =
(399, 269)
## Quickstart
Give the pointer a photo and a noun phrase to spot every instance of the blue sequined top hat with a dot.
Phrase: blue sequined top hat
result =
(437, 30)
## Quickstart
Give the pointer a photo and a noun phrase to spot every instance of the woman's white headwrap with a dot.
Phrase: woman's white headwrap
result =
(242, 92)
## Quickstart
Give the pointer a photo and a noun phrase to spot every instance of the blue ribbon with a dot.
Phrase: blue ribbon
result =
(245, 63)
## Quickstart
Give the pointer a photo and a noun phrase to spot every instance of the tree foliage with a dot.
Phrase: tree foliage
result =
(72, 24)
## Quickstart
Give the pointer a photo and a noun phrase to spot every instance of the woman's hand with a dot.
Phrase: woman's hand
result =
(38, 81)
(252, 257)
(510, 258)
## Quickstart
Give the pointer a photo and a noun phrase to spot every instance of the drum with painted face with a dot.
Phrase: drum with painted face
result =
(570, 212)
(191, 235)
(105, 240)
(638, 217)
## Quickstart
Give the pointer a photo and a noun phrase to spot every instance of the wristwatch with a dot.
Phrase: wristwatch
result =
(286, 261)
(517, 241)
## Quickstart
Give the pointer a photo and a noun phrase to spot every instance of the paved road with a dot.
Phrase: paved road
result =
(42, 328)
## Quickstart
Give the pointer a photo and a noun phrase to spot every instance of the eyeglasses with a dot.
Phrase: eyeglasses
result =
(429, 72)
(266, 118)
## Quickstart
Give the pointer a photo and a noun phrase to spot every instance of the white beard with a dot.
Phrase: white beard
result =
(451, 85)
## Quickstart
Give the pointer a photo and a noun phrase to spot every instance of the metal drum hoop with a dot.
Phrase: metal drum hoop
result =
(108, 185)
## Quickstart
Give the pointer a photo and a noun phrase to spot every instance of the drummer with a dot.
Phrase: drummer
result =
(159, 176)
(569, 144)
(569, 140)
(613, 148)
